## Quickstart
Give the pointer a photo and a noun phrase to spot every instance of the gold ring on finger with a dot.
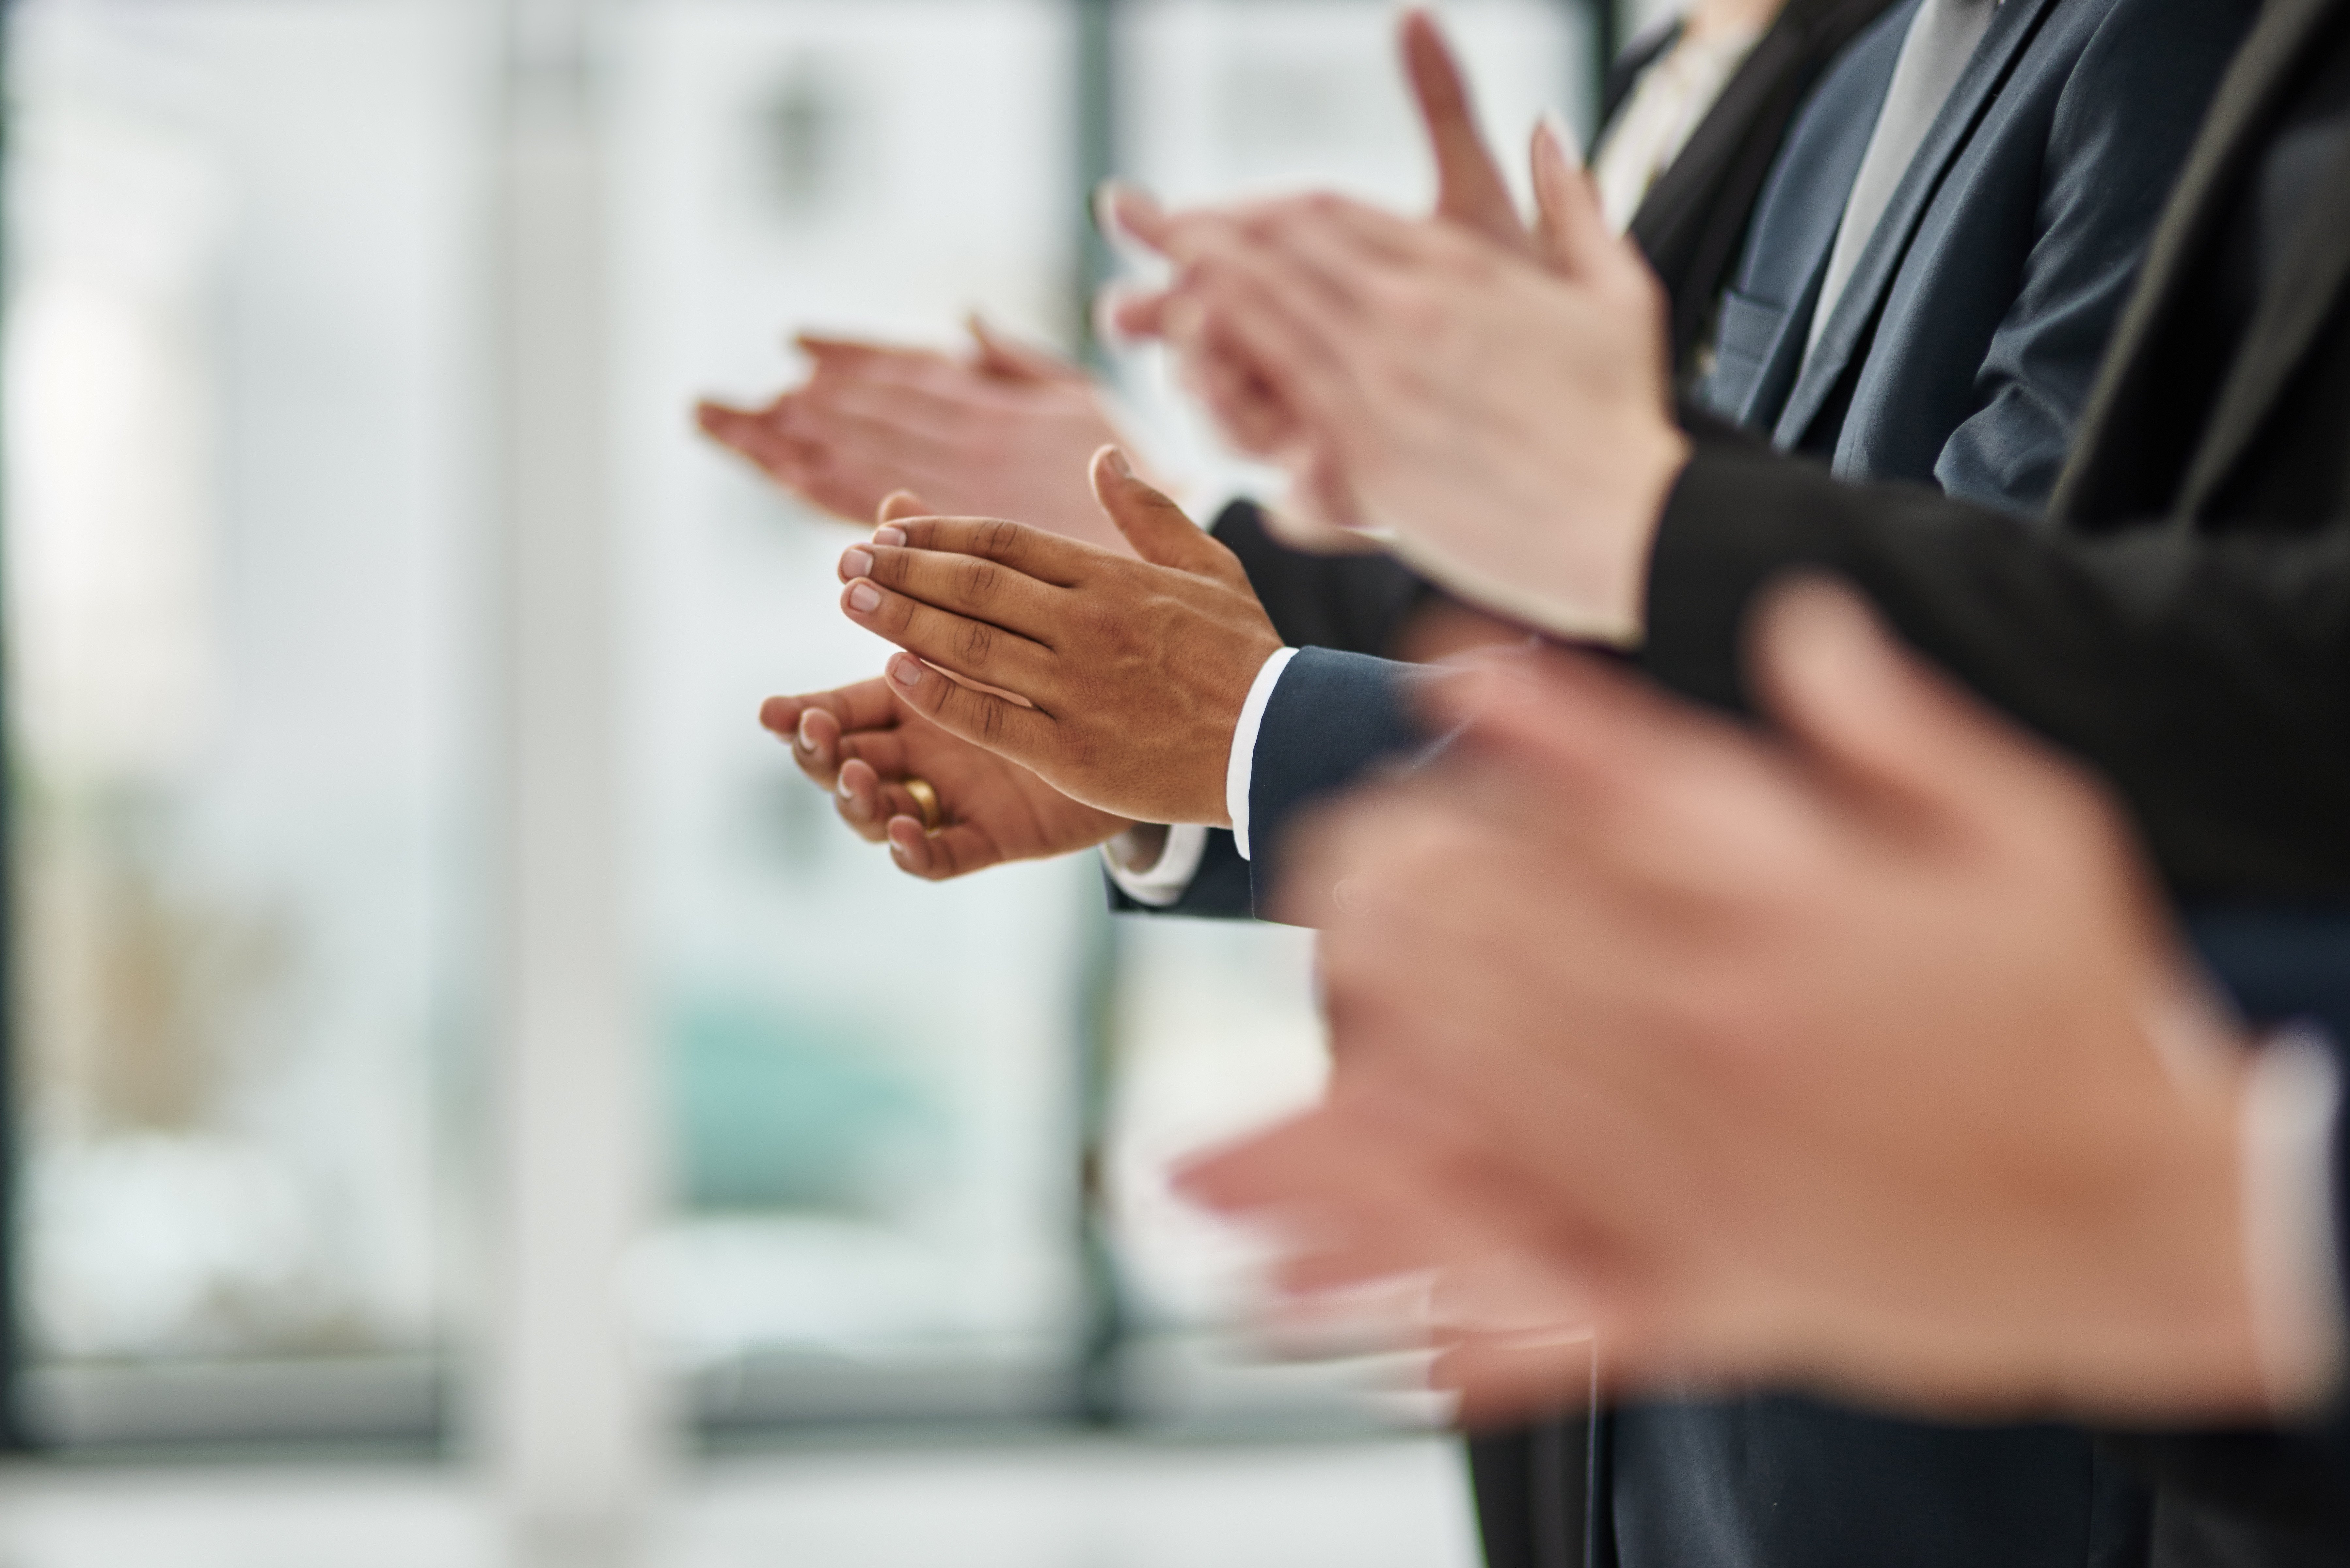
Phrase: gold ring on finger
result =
(926, 800)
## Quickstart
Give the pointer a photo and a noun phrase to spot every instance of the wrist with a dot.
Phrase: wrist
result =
(1649, 486)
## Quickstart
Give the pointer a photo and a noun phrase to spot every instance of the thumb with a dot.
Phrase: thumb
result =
(901, 505)
(1871, 710)
(1469, 189)
(1156, 527)
(1014, 361)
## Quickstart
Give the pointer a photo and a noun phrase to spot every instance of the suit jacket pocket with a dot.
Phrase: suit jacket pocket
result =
(1745, 333)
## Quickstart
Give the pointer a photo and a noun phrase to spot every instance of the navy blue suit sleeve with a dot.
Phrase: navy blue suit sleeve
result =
(1219, 889)
(1334, 719)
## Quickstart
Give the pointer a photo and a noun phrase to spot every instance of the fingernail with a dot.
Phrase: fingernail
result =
(856, 563)
(1563, 137)
(805, 737)
(1104, 206)
(889, 534)
(906, 671)
(1119, 466)
(864, 599)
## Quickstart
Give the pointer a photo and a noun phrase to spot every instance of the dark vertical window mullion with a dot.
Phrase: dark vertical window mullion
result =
(1097, 1397)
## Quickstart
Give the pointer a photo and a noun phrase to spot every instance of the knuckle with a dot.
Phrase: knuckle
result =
(998, 540)
(974, 642)
(982, 580)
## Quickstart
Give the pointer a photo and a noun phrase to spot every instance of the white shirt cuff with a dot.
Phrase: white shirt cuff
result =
(1164, 880)
(2291, 1242)
(1240, 768)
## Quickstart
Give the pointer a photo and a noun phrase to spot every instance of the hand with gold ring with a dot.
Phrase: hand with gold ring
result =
(946, 807)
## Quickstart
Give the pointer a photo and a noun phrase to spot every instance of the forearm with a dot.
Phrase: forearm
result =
(2205, 678)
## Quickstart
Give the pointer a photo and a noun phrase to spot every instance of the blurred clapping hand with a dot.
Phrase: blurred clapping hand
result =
(1005, 431)
(1861, 1058)
(1496, 404)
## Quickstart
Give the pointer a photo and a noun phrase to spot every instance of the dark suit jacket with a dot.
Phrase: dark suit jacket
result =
(1692, 224)
(1964, 347)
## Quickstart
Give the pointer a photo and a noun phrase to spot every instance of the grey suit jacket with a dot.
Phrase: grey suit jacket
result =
(1964, 347)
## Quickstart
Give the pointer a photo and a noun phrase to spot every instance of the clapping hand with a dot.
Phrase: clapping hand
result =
(878, 759)
(1862, 1058)
(1005, 431)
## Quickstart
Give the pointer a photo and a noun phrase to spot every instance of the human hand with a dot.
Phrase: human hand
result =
(1133, 672)
(1864, 1059)
(1004, 433)
(861, 744)
(1470, 191)
(1506, 425)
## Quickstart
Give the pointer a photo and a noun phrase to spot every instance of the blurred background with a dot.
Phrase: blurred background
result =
(448, 1039)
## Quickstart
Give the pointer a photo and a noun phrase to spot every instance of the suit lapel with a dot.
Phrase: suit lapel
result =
(2208, 188)
(2004, 42)
(2282, 328)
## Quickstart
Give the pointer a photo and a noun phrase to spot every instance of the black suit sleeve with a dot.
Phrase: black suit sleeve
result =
(1356, 604)
(2204, 676)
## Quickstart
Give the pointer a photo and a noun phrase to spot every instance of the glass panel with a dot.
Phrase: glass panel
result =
(869, 1078)
(237, 390)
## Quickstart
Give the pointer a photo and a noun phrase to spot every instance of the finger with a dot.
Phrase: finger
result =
(878, 763)
(885, 429)
(861, 705)
(829, 351)
(1469, 189)
(956, 850)
(1032, 552)
(856, 796)
(1217, 373)
(1504, 1379)
(1024, 735)
(896, 507)
(974, 648)
(1274, 315)
(1125, 314)
(1156, 527)
(841, 483)
(1306, 529)
(813, 726)
(754, 435)
(968, 586)
(1128, 211)
(1000, 355)
(1569, 227)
